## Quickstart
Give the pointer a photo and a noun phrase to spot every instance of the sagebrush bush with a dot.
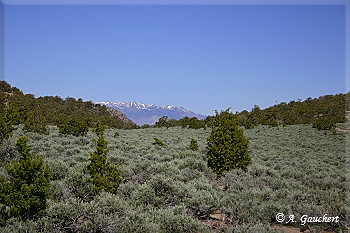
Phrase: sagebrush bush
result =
(294, 170)
(80, 185)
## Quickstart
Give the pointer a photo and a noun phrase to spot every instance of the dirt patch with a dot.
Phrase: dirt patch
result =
(342, 130)
(286, 229)
(222, 187)
(290, 229)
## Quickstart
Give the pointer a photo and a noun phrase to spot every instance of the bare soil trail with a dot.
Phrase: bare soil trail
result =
(342, 130)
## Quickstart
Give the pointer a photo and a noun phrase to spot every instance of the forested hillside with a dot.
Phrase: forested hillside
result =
(308, 111)
(35, 113)
(323, 113)
(16, 108)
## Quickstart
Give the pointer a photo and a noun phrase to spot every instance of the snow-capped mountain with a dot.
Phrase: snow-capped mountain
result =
(149, 114)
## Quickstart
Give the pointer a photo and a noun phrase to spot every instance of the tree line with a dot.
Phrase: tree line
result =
(37, 113)
(323, 113)
(77, 116)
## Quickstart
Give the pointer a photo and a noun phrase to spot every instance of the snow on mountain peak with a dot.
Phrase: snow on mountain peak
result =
(148, 114)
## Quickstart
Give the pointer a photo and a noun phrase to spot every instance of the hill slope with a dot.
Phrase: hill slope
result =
(17, 108)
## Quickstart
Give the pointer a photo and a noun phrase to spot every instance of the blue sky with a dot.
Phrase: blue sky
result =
(201, 57)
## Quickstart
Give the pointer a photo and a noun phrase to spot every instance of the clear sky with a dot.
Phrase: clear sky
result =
(201, 57)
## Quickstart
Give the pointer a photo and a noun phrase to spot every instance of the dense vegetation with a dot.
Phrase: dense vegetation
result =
(323, 113)
(26, 189)
(294, 170)
(174, 177)
(35, 113)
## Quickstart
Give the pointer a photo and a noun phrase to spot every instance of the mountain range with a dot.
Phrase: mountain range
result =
(149, 114)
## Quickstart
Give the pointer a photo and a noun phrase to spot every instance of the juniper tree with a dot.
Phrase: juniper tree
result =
(324, 123)
(227, 146)
(36, 122)
(5, 128)
(27, 187)
(105, 176)
(158, 142)
(193, 144)
(99, 128)
(74, 127)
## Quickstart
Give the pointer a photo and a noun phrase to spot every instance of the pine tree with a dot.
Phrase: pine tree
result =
(26, 190)
(106, 176)
(227, 146)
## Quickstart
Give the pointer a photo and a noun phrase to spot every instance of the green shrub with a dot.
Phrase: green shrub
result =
(145, 126)
(105, 176)
(36, 123)
(324, 123)
(194, 145)
(248, 124)
(158, 142)
(74, 127)
(99, 128)
(26, 190)
(5, 128)
(227, 146)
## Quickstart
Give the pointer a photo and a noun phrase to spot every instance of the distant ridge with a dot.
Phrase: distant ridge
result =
(142, 114)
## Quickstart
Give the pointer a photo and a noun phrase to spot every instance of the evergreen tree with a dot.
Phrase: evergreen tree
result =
(16, 113)
(106, 176)
(99, 128)
(227, 146)
(161, 121)
(27, 188)
(158, 142)
(194, 145)
(5, 129)
(74, 127)
(145, 126)
(36, 122)
(324, 122)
